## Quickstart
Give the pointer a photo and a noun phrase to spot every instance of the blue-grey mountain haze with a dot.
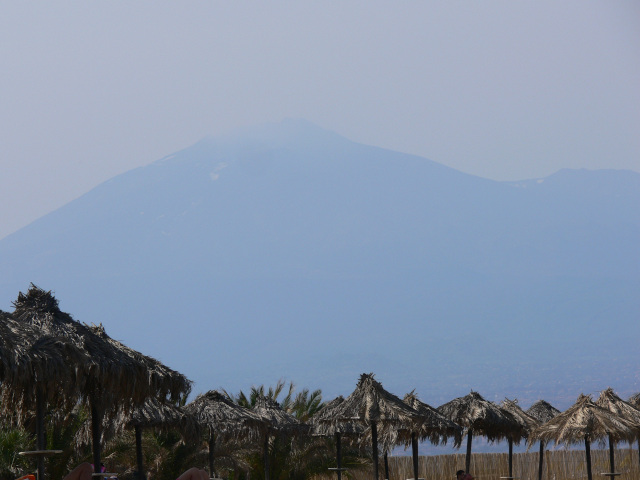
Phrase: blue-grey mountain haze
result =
(287, 251)
(500, 89)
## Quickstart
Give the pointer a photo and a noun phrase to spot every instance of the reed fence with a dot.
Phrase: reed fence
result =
(558, 465)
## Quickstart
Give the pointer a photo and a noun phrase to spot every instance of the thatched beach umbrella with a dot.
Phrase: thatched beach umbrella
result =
(375, 407)
(585, 422)
(154, 413)
(160, 415)
(276, 422)
(10, 345)
(34, 368)
(435, 427)
(526, 422)
(35, 365)
(543, 412)
(612, 402)
(479, 416)
(223, 418)
(635, 401)
(160, 381)
(322, 423)
(112, 377)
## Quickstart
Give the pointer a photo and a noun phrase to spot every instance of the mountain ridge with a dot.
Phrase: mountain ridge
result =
(309, 247)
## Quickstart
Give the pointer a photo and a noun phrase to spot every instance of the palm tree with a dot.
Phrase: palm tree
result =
(297, 458)
(14, 440)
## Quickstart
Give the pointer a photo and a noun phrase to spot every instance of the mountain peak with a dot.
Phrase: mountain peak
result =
(288, 132)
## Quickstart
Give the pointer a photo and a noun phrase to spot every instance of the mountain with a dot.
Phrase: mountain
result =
(288, 251)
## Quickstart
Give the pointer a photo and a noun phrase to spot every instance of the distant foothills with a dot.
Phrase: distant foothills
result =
(287, 251)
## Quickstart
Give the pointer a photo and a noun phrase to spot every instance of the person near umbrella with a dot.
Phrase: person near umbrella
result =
(81, 472)
(462, 475)
(194, 474)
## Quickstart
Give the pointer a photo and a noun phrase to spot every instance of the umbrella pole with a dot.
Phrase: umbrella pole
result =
(467, 464)
(212, 446)
(510, 457)
(138, 430)
(266, 456)
(386, 466)
(339, 454)
(611, 455)
(414, 453)
(40, 437)
(540, 460)
(587, 449)
(95, 434)
(374, 444)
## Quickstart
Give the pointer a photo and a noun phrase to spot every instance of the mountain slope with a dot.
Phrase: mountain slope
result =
(286, 250)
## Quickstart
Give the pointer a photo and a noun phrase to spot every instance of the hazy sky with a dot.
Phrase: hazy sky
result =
(502, 89)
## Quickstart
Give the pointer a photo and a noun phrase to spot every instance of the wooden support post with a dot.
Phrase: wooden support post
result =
(467, 464)
(587, 448)
(139, 458)
(414, 453)
(374, 441)
(339, 454)
(540, 460)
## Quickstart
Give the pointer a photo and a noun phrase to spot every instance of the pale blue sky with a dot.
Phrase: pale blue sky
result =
(502, 89)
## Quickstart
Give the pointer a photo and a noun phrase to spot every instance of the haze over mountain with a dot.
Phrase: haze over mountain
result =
(288, 251)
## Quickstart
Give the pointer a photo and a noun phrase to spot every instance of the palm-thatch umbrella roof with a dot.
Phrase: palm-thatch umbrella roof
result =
(160, 414)
(322, 424)
(109, 373)
(37, 367)
(585, 422)
(160, 379)
(371, 403)
(435, 427)
(479, 416)
(527, 423)
(227, 419)
(156, 413)
(612, 402)
(584, 419)
(276, 421)
(112, 377)
(29, 359)
(543, 412)
(34, 368)
(374, 406)
(635, 401)
(473, 412)
(224, 419)
(10, 346)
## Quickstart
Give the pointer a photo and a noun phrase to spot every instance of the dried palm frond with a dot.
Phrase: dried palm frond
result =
(525, 421)
(228, 420)
(612, 402)
(371, 403)
(472, 412)
(276, 419)
(542, 411)
(584, 420)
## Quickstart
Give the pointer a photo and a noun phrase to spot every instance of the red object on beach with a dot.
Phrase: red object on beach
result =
(27, 477)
